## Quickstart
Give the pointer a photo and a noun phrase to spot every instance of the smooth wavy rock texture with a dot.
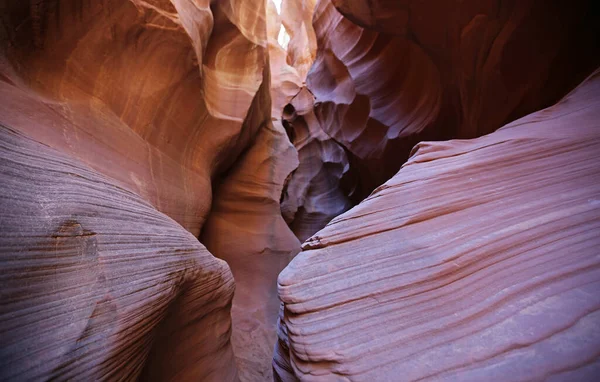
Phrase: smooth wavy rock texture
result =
(296, 16)
(246, 229)
(160, 95)
(171, 100)
(389, 74)
(313, 194)
(477, 261)
(285, 79)
(99, 285)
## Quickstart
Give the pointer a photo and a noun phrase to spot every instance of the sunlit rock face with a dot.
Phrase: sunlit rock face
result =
(313, 193)
(389, 74)
(160, 96)
(296, 16)
(99, 285)
(286, 81)
(477, 261)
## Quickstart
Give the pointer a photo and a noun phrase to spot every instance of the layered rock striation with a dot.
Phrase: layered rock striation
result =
(136, 136)
(478, 260)
(99, 285)
(170, 100)
(161, 96)
(314, 193)
(390, 74)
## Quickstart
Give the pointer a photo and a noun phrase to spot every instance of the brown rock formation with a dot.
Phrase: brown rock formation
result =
(149, 93)
(164, 97)
(313, 195)
(118, 116)
(478, 260)
(296, 16)
(391, 74)
(285, 79)
(246, 229)
(97, 284)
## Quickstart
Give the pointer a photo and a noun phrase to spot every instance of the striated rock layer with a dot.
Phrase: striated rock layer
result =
(161, 96)
(246, 229)
(171, 101)
(478, 260)
(313, 194)
(97, 284)
(389, 74)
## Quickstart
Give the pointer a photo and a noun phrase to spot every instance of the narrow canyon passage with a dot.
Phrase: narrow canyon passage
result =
(299, 190)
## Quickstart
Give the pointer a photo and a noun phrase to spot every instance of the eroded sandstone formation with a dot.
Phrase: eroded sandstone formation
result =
(477, 261)
(296, 16)
(313, 194)
(389, 74)
(171, 101)
(140, 138)
(159, 95)
(286, 81)
(99, 285)
(246, 229)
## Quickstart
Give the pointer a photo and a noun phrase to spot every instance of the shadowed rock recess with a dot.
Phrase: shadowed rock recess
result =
(162, 162)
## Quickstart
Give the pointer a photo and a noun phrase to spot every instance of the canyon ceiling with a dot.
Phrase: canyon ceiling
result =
(314, 190)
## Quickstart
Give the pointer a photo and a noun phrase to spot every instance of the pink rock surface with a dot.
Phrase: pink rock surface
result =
(99, 285)
(389, 74)
(296, 16)
(245, 228)
(477, 261)
(124, 124)
(285, 79)
(171, 100)
(313, 194)
(161, 96)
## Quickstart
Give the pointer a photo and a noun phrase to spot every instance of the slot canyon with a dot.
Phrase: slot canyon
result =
(300, 190)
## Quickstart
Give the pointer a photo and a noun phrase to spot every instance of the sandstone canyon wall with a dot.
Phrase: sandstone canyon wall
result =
(314, 192)
(143, 140)
(160, 96)
(245, 228)
(477, 261)
(170, 100)
(296, 16)
(371, 296)
(389, 74)
(99, 285)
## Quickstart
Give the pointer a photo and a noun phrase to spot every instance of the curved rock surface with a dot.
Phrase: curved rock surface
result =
(174, 107)
(285, 79)
(245, 228)
(296, 16)
(477, 261)
(171, 100)
(161, 96)
(97, 284)
(393, 73)
(314, 194)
